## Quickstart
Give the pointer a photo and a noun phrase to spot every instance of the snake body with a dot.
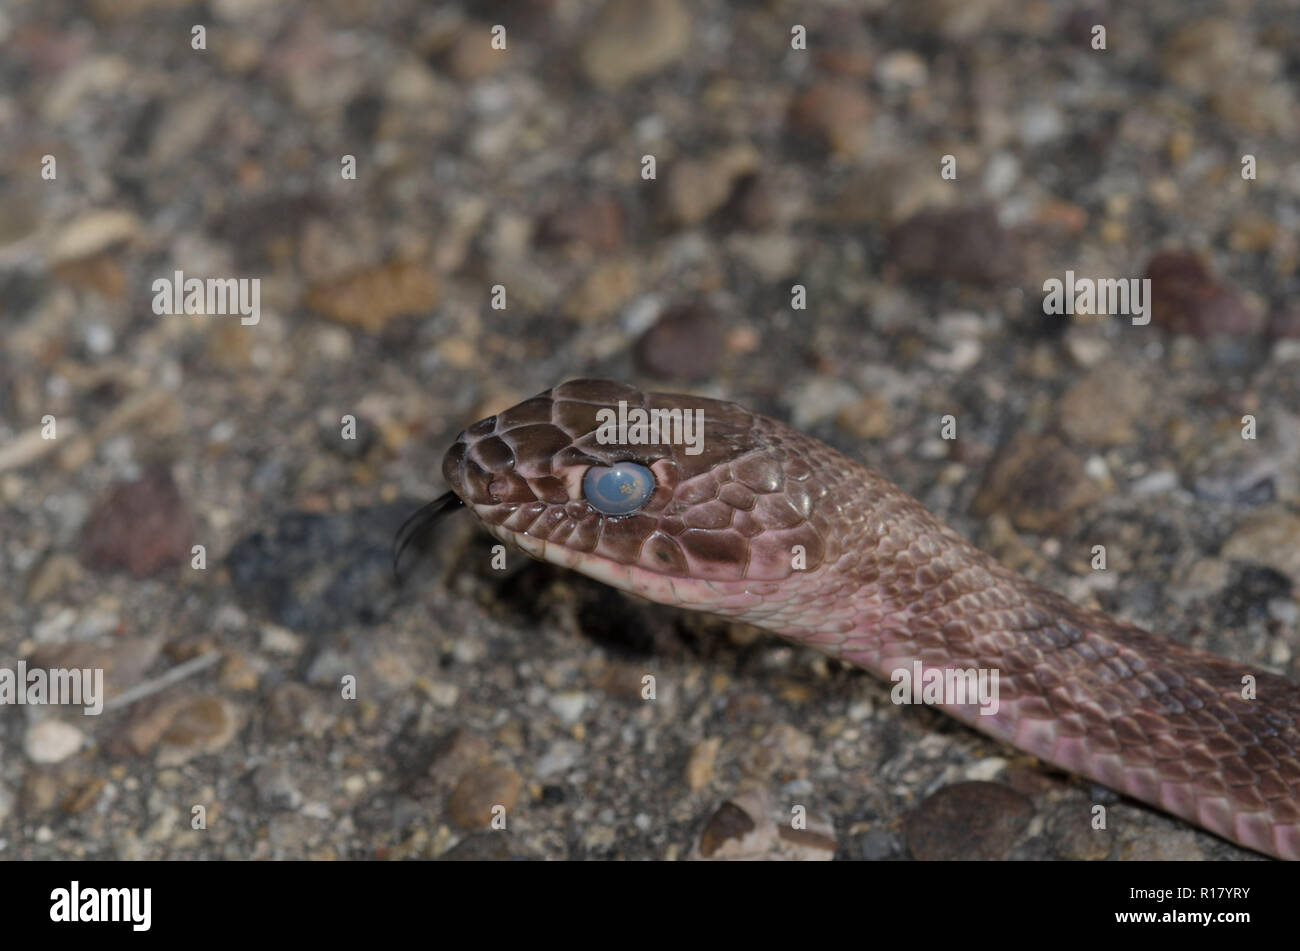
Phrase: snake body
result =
(775, 528)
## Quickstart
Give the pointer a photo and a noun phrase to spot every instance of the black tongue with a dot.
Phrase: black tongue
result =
(416, 528)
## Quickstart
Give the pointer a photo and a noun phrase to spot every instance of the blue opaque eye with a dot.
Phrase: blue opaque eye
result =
(618, 489)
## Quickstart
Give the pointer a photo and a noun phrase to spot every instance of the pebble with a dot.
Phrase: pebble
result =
(1068, 828)
(701, 762)
(631, 39)
(471, 56)
(1186, 298)
(275, 787)
(902, 69)
(58, 572)
(199, 726)
(607, 287)
(142, 527)
(559, 758)
(1271, 538)
(684, 344)
(479, 791)
(1168, 845)
(1200, 55)
(968, 821)
(369, 299)
(568, 706)
(966, 245)
(289, 710)
(91, 233)
(1038, 483)
(595, 222)
(728, 823)
(696, 188)
(835, 115)
(1103, 408)
(52, 741)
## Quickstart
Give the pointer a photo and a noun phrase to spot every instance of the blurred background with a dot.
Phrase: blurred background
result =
(133, 145)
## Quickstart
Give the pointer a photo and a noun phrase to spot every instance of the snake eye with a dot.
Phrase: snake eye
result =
(618, 489)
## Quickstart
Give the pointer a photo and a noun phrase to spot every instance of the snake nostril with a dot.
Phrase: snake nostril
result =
(483, 427)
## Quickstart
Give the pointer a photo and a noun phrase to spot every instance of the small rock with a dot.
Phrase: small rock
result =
(835, 114)
(275, 788)
(124, 660)
(869, 417)
(696, 188)
(1170, 845)
(479, 791)
(1103, 408)
(684, 344)
(595, 222)
(634, 38)
(772, 256)
(757, 202)
(559, 758)
(141, 526)
(52, 741)
(966, 245)
(371, 297)
(1038, 483)
(290, 710)
(1199, 55)
(200, 726)
(568, 706)
(728, 823)
(1186, 298)
(83, 796)
(606, 287)
(237, 673)
(454, 756)
(1257, 107)
(91, 233)
(700, 764)
(968, 821)
(1072, 835)
(471, 55)
(55, 573)
(902, 69)
(1269, 538)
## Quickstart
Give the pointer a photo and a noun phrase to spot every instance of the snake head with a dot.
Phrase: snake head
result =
(729, 496)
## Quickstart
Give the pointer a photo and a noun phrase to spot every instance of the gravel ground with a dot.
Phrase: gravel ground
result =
(320, 711)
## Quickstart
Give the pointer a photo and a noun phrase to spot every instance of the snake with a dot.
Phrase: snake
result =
(750, 519)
